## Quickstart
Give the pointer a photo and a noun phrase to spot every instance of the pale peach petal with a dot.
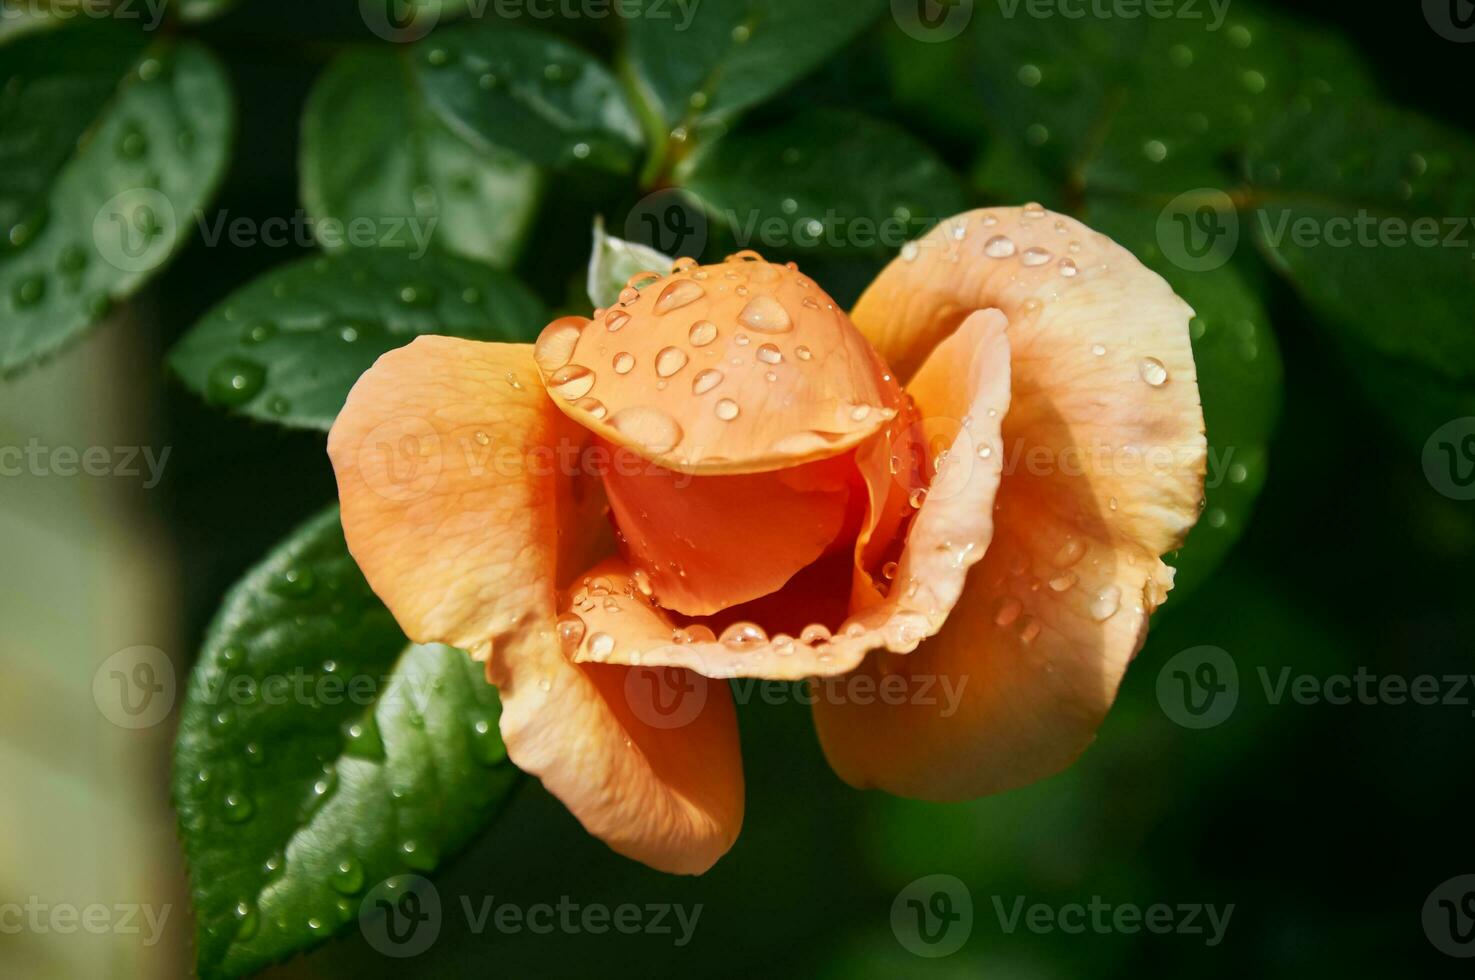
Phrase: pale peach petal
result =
(646, 758)
(709, 542)
(739, 367)
(1104, 452)
(450, 490)
(967, 380)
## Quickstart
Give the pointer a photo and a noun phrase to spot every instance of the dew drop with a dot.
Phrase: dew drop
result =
(601, 645)
(705, 381)
(235, 381)
(624, 362)
(769, 354)
(669, 361)
(238, 807)
(999, 247)
(593, 406)
(682, 292)
(765, 315)
(1104, 603)
(1153, 371)
(1098, 349)
(348, 876)
(702, 333)
(651, 428)
(726, 409)
(917, 498)
(743, 635)
(1035, 256)
(572, 381)
(570, 630)
(802, 352)
(1072, 551)
(615, 320)
(555, 346)
(814, 634)
(1029, 628)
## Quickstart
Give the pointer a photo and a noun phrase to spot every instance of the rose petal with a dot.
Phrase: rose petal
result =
(710, 542)
(646, 758)
(966, 380)
(453, 502)
(738, 367)
(1105, 452)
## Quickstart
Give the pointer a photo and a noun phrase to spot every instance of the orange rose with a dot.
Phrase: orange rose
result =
(969, 480)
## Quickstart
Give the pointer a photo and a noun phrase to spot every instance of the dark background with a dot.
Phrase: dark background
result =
(1326, 826)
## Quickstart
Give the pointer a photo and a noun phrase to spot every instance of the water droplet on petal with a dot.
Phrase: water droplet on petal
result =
(1035, 256)
(1104, 604)
(702, 333)
(624, 362)
(682, 292)
(571, 382)
(650, 428)
(802, 353)
(705, 381)
(999, 247)
(742, 635)
(726, 409)
(601, 645)
(669, 361)
(765, 315)
(555, 346)
(1153, 371)
(769, 354)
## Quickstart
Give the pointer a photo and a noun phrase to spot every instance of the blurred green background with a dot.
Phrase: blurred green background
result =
(1326, 826)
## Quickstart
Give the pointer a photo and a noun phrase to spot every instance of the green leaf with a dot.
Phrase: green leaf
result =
(1153, 106)
(319, 753)
(614, 260)
(374, 156)
(828, 180)
(698, 65)
(530, 93)
(110, 146)
(287, 347)
(1239, 379)
(1366, 210)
